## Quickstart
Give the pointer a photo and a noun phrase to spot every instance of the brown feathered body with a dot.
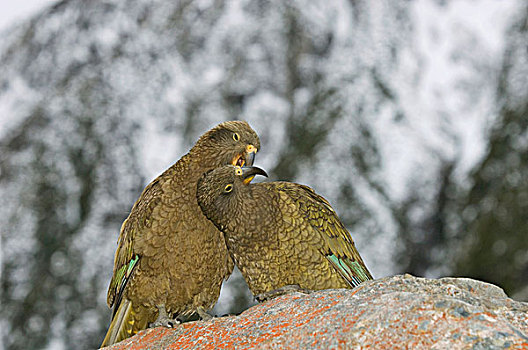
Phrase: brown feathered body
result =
(280, 233)
(169, 255)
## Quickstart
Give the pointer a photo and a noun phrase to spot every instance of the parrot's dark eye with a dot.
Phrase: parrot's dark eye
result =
(228, 188)
(238, 171)
(236, 136)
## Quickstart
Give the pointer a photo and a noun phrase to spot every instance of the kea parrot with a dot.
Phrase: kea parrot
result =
(171, 260)
(280, 234)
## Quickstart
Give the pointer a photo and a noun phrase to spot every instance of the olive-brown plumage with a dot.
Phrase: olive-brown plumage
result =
(170, 259)
(280, 233)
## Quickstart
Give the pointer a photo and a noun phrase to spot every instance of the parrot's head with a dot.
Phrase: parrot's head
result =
(219, 190)
(229, 143)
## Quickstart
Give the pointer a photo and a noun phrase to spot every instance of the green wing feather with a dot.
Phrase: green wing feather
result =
(339, 249)
(120, 280)
(125, 257)
(353, 271)
(126, 320)
(124, 263)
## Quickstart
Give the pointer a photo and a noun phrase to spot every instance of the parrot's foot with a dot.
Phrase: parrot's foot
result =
(204, 315)
(290, 288)
(163, 319)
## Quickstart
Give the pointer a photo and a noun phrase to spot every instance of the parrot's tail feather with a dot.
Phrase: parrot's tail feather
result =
(123, 325)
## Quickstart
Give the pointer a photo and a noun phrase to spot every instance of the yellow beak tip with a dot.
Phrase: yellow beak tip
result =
(249, 179)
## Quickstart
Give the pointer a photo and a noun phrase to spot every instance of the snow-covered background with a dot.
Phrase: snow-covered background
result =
(405, 115)
(13, 12)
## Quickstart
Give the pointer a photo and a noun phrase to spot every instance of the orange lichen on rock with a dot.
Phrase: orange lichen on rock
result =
(391, 313)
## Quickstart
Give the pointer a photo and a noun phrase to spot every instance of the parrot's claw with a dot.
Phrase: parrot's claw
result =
(164, 322)
(163, 319)
(204, 315)
(290, 288)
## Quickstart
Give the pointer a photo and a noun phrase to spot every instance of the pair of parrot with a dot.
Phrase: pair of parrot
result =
(182, 235)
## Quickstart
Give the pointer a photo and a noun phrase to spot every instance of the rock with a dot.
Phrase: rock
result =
(396, 312)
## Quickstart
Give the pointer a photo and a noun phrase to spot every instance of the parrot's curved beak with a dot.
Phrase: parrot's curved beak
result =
(249, 173)
(251, 151)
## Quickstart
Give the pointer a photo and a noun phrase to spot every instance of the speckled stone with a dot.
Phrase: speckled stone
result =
(399, 312)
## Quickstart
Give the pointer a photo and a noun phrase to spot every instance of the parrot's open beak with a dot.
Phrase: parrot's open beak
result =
(245, 158)
(249, 173)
